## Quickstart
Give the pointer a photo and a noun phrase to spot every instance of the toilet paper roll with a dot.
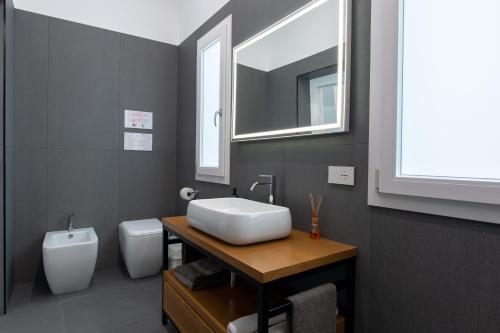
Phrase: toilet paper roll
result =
(188, 193)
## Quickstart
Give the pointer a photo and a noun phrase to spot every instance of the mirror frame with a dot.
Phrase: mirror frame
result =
(344, 66)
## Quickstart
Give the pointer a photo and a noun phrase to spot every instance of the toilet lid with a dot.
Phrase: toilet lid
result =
(141, 227)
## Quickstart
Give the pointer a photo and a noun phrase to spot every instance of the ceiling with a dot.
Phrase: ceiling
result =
(168, 21)
(311, 33)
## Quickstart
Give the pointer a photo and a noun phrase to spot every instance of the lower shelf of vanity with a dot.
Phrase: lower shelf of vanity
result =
(210, 310)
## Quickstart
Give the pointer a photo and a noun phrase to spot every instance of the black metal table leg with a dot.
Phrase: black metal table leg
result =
(263, 309)
(350, 298)
(164, 267)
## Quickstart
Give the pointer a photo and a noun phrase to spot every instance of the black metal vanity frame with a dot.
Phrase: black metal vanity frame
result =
(341, 273)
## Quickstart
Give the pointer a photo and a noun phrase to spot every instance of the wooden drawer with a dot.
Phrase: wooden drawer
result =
(186, 320)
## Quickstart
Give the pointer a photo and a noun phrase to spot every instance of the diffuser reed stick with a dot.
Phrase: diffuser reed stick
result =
(315, 207)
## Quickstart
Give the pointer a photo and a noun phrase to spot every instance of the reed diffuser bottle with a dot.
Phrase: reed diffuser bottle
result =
(315, 206)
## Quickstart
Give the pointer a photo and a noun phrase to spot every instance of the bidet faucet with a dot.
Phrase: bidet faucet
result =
(71, 217)
(271, 182)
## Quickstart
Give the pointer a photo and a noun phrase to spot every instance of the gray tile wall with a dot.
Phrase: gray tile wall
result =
(2, 180)
(415, 273)
(72, 83)
(8, 163)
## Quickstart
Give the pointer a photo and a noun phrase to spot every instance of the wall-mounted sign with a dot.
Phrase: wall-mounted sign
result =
(137, 141)
(138, 119)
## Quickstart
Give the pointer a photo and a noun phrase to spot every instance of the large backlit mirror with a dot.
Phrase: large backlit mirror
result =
(293, 78)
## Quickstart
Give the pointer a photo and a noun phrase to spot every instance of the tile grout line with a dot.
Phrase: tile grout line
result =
(62, 316)
(47, 132)
(120, 134)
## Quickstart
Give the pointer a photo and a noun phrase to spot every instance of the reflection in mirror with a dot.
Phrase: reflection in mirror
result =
(292, 78)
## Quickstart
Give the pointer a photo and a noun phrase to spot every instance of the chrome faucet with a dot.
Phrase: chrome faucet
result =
(271, 182)
(71, 217)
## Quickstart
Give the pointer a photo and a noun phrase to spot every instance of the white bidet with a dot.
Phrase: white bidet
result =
(69, 259)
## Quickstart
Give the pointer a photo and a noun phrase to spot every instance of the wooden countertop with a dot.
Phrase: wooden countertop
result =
(271, 260)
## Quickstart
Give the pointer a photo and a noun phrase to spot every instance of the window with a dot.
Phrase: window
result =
(323, 92)
(213, 104)
(434, 107)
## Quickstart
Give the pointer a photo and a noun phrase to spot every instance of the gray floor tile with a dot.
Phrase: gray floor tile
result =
(104, 281)
(30, 295)
(108, 310)
(152, 287)
(148, 325)
(45, 318)
(113, 303)
(152, 283)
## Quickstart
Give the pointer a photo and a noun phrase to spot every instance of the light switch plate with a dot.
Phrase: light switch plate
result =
(343, 175)
(137, 141)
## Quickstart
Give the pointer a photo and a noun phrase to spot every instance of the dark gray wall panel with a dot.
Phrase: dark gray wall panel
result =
(250, 17)
(344, 215)
(30, 211)
(433, 274)
(9, 147)
(251, 100)
(248, 161)
(85, 182)
(2, 239)
(3, 300)
(148, 72)
(83, 86)
(32, 51)
(147, 185)
(93, 75)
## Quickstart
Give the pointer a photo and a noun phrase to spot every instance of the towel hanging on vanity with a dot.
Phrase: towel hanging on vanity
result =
(314, 310)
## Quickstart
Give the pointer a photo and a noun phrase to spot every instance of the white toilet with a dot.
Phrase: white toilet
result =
(141, 246)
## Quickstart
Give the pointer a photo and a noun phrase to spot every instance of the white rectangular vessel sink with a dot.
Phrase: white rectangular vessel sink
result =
(239, 221)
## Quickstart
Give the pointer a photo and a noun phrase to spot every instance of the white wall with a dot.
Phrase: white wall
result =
(193, 13)
(168, 21)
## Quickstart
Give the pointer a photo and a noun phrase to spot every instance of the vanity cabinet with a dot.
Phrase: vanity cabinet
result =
(267, 273)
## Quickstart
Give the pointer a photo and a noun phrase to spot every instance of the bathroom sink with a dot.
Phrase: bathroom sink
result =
(79, 237)
(69, 259)
(239, 221)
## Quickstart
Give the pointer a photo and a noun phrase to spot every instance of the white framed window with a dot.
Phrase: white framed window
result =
(434, 108)
(323, 94)
(213, 101)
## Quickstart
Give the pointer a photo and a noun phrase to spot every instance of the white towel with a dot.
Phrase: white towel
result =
(248, 324)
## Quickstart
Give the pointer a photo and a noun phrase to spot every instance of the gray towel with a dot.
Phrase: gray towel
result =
(314, 310)
(201, 274)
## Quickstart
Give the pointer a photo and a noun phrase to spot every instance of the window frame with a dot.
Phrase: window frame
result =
(477, 200)
(316, 87)
(221, 32)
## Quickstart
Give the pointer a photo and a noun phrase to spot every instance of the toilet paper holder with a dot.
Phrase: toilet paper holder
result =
(188, 193)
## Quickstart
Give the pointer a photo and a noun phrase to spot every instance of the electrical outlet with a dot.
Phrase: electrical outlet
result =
(342, 175)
